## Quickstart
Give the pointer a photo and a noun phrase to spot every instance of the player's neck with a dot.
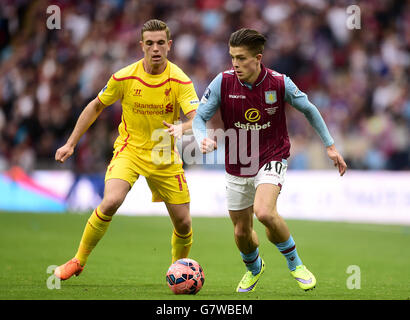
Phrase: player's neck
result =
(254, 76)
(154, 69)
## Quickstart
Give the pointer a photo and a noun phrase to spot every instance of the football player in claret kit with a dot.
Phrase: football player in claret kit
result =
(251, 100)
(152, 92)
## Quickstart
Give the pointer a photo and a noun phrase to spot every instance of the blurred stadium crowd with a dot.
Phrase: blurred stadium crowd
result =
(359, 79)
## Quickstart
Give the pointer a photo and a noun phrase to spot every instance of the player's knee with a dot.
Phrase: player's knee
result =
(183, 225)
(243, 232)
(266, 216)
(110, 204)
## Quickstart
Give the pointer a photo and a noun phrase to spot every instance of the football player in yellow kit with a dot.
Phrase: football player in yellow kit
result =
(152, 92)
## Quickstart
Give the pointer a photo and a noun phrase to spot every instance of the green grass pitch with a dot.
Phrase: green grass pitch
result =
(131, 260)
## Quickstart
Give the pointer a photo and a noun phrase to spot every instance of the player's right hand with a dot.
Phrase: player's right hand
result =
(207, 145)
(63, 153)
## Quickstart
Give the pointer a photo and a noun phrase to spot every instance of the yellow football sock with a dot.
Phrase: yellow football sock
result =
(181, 244)
(96, 226)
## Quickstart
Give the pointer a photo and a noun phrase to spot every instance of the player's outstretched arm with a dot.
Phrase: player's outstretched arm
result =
(207, 108)
(85, 120)
(337, 159)
(300, 101)
(199, 129)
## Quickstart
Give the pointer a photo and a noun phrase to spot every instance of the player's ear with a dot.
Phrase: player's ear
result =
(259, 57)
(169, 44)
(142, 45)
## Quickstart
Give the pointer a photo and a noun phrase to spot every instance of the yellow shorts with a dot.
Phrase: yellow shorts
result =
(167, 182)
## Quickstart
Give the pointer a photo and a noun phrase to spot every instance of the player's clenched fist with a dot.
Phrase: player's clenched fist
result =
(207, 145)
(63, 153)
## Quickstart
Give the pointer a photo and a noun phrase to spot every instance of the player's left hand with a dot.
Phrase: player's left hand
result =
(338, 160)
(207, 145)
(174, 129)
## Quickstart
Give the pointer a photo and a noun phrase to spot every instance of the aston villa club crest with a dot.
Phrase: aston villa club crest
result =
(270, 97)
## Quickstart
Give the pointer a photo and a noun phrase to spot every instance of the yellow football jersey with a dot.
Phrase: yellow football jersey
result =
(146, 101)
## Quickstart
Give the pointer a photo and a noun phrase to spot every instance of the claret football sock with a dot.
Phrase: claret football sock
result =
(252, 261)
(181, 245)
(288, 249)
(95, 229)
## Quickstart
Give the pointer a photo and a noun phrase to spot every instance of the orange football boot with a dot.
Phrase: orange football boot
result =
(67, 270)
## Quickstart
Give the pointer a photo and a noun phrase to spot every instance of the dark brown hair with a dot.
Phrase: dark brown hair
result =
(155, 25)
(251, 39)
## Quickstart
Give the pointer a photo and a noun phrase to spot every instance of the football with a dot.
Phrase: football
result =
(185, 276)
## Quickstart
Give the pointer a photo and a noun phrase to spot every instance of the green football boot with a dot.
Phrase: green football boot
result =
(249, 281)
(305, 279)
